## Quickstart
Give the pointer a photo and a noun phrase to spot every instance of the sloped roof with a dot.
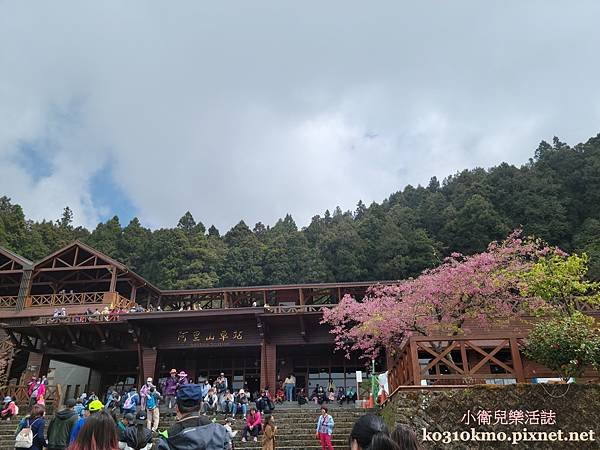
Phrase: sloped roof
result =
(99, 254)
(23, 262)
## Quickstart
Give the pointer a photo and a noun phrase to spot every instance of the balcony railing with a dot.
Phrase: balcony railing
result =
(8, 302)
(293, 309)
(65, 299)
(78, 319)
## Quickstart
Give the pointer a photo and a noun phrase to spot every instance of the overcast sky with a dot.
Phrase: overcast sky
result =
(253, 109)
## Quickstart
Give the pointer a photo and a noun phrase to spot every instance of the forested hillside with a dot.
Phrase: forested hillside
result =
(556, 196)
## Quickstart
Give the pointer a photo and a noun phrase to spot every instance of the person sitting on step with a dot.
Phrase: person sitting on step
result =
(253, 425)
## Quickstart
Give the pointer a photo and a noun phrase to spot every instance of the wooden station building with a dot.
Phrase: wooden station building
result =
(253, 334)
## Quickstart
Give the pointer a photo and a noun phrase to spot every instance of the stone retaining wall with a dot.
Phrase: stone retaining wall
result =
(577, 409)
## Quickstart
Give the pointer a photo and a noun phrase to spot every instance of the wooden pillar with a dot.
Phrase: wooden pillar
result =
(516, 359)
(268, 366)
(416, 367)
(24, 296)
(147, 358)
(113, 279)
(225, 299)
(301, 296)
(133, 292)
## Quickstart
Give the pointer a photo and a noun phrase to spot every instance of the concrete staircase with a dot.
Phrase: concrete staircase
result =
(296, 428)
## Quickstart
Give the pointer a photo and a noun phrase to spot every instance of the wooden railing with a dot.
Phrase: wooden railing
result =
(292, 309)
(8, 301)
(74, 298)
(123, 303)
(456, 360)
(21, 396)
(78, 319)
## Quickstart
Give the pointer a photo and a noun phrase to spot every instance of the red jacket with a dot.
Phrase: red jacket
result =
(253, 422)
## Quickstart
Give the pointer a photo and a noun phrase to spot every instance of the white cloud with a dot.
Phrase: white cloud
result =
(250, 110)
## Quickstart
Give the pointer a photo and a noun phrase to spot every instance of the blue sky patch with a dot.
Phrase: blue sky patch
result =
(109, 198)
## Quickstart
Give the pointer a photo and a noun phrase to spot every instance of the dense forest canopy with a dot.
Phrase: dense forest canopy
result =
(555, 196)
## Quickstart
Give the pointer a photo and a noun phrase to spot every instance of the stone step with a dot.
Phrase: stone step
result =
(296, 428)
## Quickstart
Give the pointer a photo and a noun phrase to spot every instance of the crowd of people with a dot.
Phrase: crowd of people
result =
(130, 420)
(98, 429)
(109, 313)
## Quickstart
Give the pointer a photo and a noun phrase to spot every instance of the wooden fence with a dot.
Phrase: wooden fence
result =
(52, 398)
(8, 301)
(457, 360)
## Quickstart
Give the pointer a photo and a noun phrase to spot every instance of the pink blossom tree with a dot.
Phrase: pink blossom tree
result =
(483, 287)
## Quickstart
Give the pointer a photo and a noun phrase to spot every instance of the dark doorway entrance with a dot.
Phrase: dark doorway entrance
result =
(241, 365)
(253, 385)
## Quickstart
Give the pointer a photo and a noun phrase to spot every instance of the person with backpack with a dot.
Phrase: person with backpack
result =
(10, 409)
(93, 408)
(152, 411)
(138, 437)
(37, 391)
(131, 401)
(325, 429)
(127, 421)
(193, 430)
(30, 432)
(144, 392)
(61, 426)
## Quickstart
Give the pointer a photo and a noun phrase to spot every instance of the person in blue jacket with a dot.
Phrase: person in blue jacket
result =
(93, 407)
(36, 422)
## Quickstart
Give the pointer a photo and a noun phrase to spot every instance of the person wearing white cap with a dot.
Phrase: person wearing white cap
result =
(144, 391)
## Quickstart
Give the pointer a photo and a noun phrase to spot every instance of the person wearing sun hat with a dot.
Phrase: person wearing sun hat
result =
(93, 407)
(170, 390)
(138, 437)
(193, 430)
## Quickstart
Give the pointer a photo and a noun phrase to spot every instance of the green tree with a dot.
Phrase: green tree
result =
(567, 345)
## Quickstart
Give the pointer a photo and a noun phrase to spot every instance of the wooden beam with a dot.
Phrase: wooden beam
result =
(302, 327)
(57, 269)
(113, 280)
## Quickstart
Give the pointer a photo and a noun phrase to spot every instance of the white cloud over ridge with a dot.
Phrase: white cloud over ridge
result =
(250, 110)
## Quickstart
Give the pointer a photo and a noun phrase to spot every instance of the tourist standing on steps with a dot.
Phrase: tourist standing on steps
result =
(131, 401)
(170, 390)
(370, 433)
(35, 421)
(138, 437)
(61, 425)
(152, 401)
(144, 392)
(288, 387)
(325, 429)
(193, 430)
(269, 431)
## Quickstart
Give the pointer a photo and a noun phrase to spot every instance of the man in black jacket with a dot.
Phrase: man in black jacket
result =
(193, 431)
(60, 427)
